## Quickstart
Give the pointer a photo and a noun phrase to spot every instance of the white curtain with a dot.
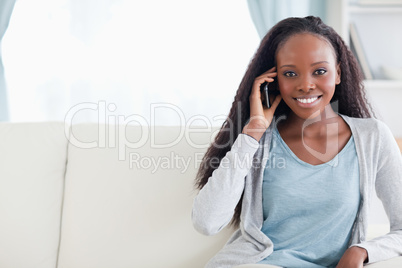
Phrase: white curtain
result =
(266, 13)
(123, 59)
(6, 8)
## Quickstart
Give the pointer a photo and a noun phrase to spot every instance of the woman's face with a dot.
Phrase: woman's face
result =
(307, 74)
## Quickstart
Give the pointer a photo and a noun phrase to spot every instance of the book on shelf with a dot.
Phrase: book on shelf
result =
(357, 50)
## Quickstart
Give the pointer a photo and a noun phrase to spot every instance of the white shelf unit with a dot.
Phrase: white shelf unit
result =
(378, 26)
(380, 35)
(384, 84)
(355, 9)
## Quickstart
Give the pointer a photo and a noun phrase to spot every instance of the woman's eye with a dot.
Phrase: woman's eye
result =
(289, 74)
(320, 71)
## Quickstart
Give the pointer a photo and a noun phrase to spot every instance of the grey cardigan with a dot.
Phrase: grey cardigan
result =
(241, 172)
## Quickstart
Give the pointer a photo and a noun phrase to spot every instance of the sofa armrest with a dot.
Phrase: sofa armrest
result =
(391, 263)
(256, 266)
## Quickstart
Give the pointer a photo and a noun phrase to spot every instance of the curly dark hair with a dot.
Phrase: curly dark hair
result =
(349, 94)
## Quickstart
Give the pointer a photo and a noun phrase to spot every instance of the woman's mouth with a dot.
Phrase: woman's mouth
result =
(306, 101)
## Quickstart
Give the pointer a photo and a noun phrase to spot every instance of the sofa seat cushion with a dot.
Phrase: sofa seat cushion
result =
(122, 209)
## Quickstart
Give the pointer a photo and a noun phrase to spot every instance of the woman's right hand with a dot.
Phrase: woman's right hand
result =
(260, 117)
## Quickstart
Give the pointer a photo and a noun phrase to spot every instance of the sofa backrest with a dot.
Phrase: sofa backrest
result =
(32, 166)
(128, 198)
(124, 199)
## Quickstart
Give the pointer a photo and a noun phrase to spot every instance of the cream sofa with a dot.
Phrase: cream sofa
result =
(97, 196)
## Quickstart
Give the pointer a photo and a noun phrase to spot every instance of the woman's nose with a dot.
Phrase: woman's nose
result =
(306, 84)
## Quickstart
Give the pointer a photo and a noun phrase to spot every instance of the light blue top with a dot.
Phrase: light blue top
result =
(240, 176)
(309, 210)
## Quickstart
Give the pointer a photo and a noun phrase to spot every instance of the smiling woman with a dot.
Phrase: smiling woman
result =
(307, 74)
(312, 211)
(61, 53)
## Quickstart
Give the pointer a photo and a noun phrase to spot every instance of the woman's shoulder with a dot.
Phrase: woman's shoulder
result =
(371, 130)
(370, 125)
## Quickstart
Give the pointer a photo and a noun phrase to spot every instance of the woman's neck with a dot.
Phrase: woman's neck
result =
(317, 126)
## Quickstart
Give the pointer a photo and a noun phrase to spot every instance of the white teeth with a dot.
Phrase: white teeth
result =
(309, 100)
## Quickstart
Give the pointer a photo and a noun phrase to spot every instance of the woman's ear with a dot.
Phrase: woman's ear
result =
(338, 74)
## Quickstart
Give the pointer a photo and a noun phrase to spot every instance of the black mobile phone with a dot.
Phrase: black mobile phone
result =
(268, 90)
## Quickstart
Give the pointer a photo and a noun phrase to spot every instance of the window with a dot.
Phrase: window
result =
(80, 58)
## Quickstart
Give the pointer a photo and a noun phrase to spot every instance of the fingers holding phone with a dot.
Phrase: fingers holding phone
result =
(268, 93)
(261, 117)
(264, 91)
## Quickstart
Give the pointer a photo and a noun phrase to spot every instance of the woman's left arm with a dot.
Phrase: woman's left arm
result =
(354, 257)
(388, 185)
